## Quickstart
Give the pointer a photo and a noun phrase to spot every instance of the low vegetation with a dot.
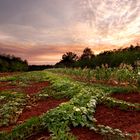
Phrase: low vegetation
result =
(61, 99)
(114, 76)
(78, 111)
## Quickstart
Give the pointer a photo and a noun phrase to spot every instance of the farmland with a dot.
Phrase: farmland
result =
(70, 104)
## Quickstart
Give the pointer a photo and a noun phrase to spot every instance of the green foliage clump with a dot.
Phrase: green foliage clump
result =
(11, 63)
(129, 56)
(122, 75)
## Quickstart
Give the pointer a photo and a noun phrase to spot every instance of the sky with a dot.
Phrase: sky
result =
(40, 31)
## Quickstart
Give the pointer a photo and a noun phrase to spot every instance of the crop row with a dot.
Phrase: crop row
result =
(79, 111)
(13, 106)
(111, 75)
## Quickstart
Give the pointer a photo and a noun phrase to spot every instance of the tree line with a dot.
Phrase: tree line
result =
(115, 58)
(39, 67)
(10, 63)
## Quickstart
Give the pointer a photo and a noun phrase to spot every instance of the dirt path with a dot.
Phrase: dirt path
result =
(36, 110)
(129, 97)
(35, 87)
(32, 88)
(40, 108)
(44, 135)
(83, 133)
(3, 74)
(127, 121)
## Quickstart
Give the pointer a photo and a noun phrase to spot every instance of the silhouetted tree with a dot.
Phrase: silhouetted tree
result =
(68, 60)
(113, 58)
(39, 67)
(116, 57)
(12, 63)
(86, 58)
(69, 57)
(87, 54)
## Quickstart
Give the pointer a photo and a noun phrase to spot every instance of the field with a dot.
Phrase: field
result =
(70, 104)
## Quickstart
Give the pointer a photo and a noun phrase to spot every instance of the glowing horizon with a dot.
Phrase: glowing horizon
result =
(41, 31)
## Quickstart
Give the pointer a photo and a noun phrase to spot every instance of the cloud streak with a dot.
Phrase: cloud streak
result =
(47, 54)
(41, 31)
(115, 21)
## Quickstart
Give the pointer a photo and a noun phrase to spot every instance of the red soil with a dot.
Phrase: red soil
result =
(3, 74)
(8, 87)
(129, 97)
(83, 133)
(127, 121)
(40, 108)
(35, 87)
(3, 83)
(31, 89)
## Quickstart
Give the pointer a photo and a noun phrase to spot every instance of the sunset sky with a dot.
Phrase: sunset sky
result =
(42, 30)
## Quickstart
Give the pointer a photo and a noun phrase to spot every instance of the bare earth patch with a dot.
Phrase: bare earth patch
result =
(3, 74)
(129, 97)
(83, 133)
(127, 121)
(40, 108)
(32, 88)
(8, 87)
(35, 87)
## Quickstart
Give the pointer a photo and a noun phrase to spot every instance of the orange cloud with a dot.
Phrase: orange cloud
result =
(48, 54)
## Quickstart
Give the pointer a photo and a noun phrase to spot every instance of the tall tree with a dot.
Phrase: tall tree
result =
(69, 57)
(68, 60)
(86, 58)
(87, 54)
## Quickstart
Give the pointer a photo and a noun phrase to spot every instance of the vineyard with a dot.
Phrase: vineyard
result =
(70, 104)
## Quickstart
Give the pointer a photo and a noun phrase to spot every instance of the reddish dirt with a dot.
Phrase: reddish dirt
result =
(135, 137)
(34, 88)
(83, 133)
(4, 83)
(6, 128)
(112, 83)
(3, 74)
(8, 87)
(127, 121)
(40, 108)
(129, 97)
